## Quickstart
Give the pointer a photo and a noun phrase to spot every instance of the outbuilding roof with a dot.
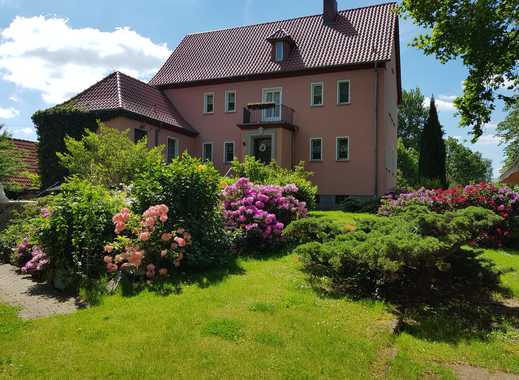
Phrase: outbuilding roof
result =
(358, 36)
(28, 151)
(120, 92)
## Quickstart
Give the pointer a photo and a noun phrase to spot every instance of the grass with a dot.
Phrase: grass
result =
(261, 321)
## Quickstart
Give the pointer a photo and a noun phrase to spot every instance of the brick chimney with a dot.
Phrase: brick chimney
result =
(330, 11)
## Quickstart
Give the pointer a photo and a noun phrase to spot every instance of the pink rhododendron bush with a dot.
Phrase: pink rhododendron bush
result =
(261, 212)
(502, 200)
(144, 247)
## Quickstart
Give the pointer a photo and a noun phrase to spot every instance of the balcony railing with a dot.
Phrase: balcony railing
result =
(267, 113)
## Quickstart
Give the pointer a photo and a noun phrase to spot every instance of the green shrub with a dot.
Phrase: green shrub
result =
(361, 204)
(191, 190)
(273, 174)
(24, 223)
(414, 253)
(73, 236)
(108, 157)
(312, 229)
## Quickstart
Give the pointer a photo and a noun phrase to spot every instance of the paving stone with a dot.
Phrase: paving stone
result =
(35, 300)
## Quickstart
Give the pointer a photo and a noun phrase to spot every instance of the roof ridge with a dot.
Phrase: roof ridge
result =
(119, 95)
(288, 19)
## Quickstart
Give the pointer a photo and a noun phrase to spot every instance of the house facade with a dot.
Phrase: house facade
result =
(321, 89)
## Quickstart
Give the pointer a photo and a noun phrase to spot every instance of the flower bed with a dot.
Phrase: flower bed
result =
(261, 211)
(502, 200)
(144, 246)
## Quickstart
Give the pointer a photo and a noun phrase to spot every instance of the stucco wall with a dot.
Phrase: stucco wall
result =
(356, 120)
(185, 143)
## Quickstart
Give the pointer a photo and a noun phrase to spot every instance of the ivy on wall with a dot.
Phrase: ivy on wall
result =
(52, 125)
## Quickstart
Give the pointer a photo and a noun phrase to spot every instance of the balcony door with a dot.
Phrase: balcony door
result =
(272, 95)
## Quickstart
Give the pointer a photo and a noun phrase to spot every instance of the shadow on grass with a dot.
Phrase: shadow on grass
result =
(173, 284)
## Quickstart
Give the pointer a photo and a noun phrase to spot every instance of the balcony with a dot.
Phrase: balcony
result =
(267, 115)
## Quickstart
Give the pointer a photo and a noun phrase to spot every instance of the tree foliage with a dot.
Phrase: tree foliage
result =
(108, 157)
(407, 165)
(508, 131)
(412, 116)
(484, 34)
(431, 165)
(10, 163)
(465, 166)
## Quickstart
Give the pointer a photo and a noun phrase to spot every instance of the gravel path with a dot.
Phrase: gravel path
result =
(35, 300)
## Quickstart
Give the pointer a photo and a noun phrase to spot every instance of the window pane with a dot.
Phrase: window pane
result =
(229, 152)
(317, 96)
(139, 134)
(316, 149)
(279, 51)
(344, 92)
(231, 101)
(208, 152)
(172, 149)
(342, 148)
(209, 103)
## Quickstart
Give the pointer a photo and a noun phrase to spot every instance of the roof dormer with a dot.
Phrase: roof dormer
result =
(282, 45)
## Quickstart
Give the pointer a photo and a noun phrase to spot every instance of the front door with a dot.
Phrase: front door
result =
(272, 95)
(263, 149)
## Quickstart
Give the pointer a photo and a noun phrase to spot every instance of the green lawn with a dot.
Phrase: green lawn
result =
(259, 320)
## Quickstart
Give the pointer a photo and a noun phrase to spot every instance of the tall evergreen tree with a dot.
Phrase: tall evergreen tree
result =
(431, 166)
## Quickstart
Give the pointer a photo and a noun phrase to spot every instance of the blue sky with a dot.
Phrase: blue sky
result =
(52, 49)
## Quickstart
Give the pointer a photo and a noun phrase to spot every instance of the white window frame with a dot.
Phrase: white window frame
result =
(264, 92)
(281, 56)
(206, 103)
(225, 151)
(337, 148)
(212, 150)
(339, 82)
(226, 97)
(311, 159)
(313, 85)
(177, 149)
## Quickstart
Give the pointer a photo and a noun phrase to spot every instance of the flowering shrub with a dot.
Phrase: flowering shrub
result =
(76, 225)
(191, 189)
(144, 245)
(23, 253)
(273, 174)
(502, 200)
(37, 264)
(261, 211)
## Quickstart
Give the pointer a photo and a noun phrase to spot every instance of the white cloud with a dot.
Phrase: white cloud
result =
(8, 113)
(49, 56)
(28, 131)
(488, 139)
(14, 98)
(444, 103)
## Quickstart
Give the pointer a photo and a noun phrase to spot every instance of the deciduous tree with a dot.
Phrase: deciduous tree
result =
(484, 34)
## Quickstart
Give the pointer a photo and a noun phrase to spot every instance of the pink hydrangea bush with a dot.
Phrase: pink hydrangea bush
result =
(261, 211)
(144, 245)
(31, 259)
(38, 263)
(502, 200)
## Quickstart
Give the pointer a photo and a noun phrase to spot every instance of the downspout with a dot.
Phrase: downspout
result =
(376, 129)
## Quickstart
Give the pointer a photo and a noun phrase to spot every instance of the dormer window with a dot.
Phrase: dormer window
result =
(282, 45)
(279, 54)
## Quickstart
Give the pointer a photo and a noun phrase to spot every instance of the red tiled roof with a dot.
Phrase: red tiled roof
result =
(359, 36)
(121, 92)
(29, 153)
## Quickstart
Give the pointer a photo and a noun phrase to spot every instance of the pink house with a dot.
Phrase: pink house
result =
(322, 89)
